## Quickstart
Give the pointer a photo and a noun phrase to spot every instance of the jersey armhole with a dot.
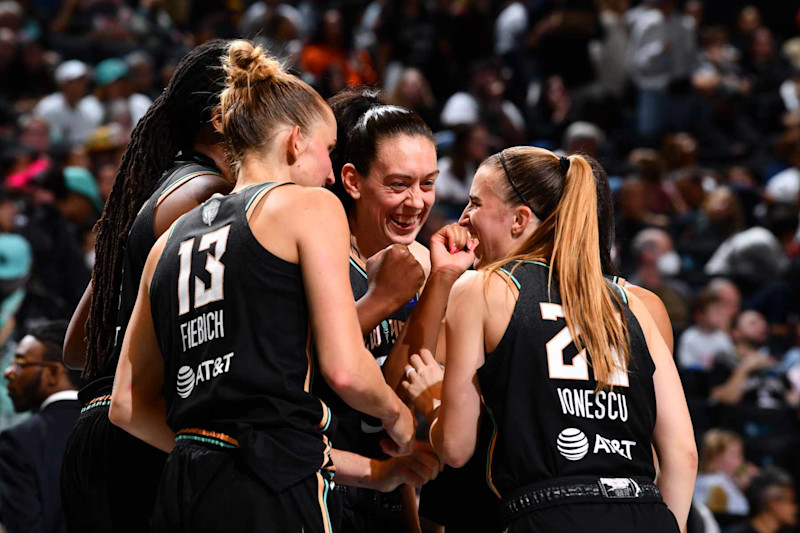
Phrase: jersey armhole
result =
(177, 185)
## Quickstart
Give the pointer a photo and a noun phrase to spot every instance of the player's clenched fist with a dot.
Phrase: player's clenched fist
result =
(394, 275)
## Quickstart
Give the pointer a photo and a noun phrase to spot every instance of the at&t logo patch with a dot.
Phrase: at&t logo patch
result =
(573, 444)
(189, 378)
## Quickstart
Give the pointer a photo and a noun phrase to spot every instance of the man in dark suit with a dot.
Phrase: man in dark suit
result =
(31, 451)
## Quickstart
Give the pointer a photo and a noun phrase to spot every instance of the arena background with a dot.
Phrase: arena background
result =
(692, 107)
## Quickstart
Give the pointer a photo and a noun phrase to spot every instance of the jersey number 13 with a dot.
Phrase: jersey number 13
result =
(214, 292)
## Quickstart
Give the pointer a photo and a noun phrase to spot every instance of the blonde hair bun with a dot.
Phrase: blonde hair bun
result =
(247, 63)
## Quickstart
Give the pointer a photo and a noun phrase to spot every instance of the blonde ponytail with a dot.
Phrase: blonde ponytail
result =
(592, 310)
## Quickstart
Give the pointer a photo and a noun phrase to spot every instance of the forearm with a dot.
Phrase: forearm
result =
(371, 310)
(146, 421)
(732, 390)
(363, 388)
(358, 471)
(422, 328)
(676, 483)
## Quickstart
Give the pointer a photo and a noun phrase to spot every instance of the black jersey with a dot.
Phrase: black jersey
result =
(231, 320)
(356, 431)
(548, 420)
(141, 239)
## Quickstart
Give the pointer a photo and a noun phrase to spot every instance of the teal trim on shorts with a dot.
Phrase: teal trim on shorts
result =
(325, 499)
(328, 423)
(207, 440)
(104, 403)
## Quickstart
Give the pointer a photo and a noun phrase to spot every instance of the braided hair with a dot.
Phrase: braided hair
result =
(169, 126)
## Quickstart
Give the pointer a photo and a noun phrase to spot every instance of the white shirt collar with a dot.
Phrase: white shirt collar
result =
(59, 396)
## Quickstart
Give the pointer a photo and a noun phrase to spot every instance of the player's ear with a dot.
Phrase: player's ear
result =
(523, 219)
(351, 181)
(296, 144)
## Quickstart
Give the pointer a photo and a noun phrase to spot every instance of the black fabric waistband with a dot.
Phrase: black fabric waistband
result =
(568, 490)
(99, 387)
(370, 501)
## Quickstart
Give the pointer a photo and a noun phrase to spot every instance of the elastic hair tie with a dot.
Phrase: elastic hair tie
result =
(514, 186)
(564, 162)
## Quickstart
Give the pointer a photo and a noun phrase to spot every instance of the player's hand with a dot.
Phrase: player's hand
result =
(401, 432)
(394, 276)
(416, 469)
(423, 383)
(452, 250)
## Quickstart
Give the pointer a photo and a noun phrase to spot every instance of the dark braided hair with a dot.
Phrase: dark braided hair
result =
(169, 126)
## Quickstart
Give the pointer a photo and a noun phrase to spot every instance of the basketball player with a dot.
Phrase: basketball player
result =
(216, 365)
(386, 160)
(460, 499)
(174, 161)
(573, 418)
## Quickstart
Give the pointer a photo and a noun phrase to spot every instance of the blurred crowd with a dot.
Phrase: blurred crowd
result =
(692, 107)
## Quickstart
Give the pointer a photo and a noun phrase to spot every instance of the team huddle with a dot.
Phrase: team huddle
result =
(270, 348)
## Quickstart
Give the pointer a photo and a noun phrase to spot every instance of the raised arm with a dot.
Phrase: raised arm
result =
(137, 403)
(422, 330)
(673, 437)
(454, 426)
(344, 361)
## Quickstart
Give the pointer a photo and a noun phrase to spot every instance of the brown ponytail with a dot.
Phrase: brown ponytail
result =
(568, 238)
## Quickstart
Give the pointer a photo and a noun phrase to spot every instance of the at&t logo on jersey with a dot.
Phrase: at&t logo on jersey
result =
(188, 378)
(573, 444)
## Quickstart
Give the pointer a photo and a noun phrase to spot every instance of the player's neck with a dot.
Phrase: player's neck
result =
(260, 169)
(362, 240)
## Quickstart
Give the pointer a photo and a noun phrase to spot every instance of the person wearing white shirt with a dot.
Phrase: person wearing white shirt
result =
(71, 113)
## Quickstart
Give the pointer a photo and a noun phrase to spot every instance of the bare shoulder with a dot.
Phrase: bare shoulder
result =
(656, 309)
(305, 203)
(202, 187)
(422, 255)
(467, 285)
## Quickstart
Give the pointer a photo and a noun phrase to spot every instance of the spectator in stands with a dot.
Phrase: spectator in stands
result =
(650, 169)
(554, 111)
(414, 92)
(705, 341)
(773, 505)
(723, 473)
(785, 185)
(72, 113)
(660, 57)
(752, 377)
(720, 216)
(115, 91)
(658, 265)
(329, 49)
(730, 298)
(31, 452)
(15, 267)
(457, 169)
(485, 104)
(757, 256)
